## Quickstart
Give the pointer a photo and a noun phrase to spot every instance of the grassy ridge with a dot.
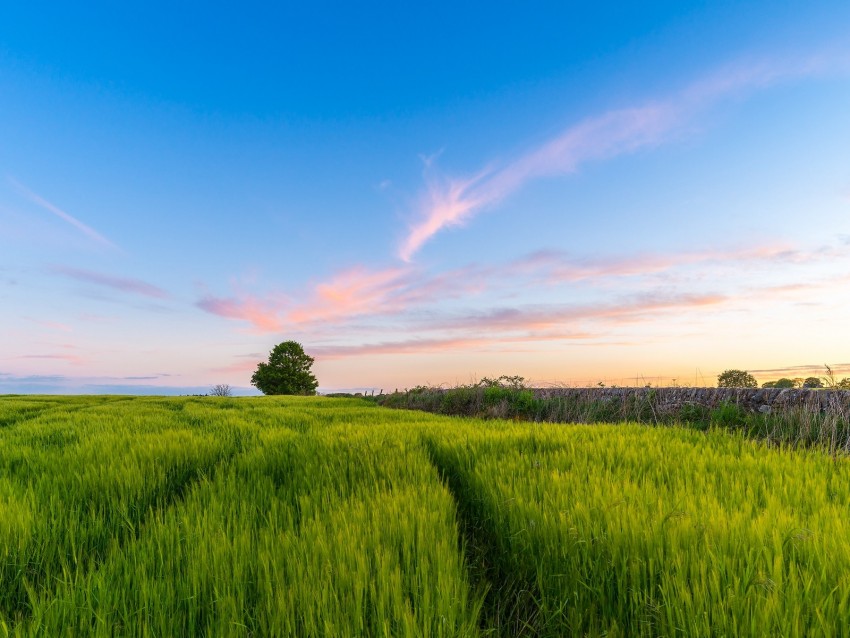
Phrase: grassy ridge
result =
(322, 517)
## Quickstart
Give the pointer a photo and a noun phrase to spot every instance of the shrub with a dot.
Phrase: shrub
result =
(728, 415)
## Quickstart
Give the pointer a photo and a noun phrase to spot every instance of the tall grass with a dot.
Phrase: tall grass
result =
(815, 419)
(634, 531)
(319, 517)
(78, 481)
(312, 526)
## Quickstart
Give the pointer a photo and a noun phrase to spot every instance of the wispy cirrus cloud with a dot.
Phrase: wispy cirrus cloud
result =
(265, 316)
(354, 292)
(50, 325)
(558, 266)
(547, 317)
(452, 201)
(506, 329)
(349, 293)
(90, 232)
(241, 366)
(418, 346)
(814, 369)
(447, 201)
(122, 284)
(52, 351)
(362, 292)
(63, 356)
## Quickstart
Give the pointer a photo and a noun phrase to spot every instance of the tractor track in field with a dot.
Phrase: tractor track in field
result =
(24, 580)
(32, 415)
(509, 607)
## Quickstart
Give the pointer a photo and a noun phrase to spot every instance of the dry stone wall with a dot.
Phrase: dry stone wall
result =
(669, 400)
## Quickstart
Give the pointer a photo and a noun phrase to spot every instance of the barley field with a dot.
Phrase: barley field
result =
(202, 516)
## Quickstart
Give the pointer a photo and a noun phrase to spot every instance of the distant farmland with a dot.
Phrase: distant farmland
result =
(124, 516)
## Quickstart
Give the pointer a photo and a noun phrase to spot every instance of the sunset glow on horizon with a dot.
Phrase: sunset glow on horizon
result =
(557, 193)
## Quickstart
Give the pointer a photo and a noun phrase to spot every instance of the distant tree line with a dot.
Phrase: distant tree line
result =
(743, 379)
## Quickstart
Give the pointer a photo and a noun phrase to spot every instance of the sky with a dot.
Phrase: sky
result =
(422, 193)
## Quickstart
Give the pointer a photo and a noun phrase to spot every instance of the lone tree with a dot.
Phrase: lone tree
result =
(287, 372)
(736, 379)
(221, 390)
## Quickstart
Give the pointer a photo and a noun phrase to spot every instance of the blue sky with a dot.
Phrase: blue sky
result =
(422, 194)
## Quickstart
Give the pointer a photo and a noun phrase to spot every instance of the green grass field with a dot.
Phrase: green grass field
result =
(124, 516)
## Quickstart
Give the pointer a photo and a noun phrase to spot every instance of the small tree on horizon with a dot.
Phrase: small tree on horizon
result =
(784, 382)
(221, 390)
(736, 379)
(287, 371)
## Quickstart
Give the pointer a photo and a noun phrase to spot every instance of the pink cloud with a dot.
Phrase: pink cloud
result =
(51, 325)
(447, 203)
(134, 286)
(359, 291)
(818, 290)
(241, 366)
(560, 267)
(452, 201)
(349, 293)
(418, 346)
(548, 317)
(354, 292)
(502, 330)
(263, 316)
(67, 358)
(362, 292)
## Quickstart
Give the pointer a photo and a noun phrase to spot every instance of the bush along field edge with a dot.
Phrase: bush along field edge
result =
(801, 417)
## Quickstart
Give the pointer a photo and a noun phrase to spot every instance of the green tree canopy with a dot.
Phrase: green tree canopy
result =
(287, 371)
(736, 379)
(812, 382)
(784, 382)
